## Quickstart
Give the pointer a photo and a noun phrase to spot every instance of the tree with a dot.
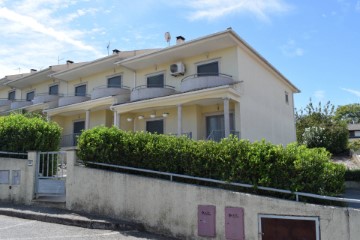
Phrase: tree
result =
(317, 127)
(349, 113)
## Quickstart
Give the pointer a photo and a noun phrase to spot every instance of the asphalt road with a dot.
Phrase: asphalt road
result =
(12, 228)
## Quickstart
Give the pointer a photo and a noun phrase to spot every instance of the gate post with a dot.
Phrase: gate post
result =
(70, 165)
(30, 177)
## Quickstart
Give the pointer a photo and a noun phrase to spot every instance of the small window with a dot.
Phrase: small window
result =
(156, 126)
(286, 97)
(80, 90)
(208, 69)
(114, 82)
(11, 95)
(155, 81)
(30, 96)
(54, 90)
(357, 133)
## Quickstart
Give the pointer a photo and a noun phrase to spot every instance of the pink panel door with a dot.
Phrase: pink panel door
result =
(234, 223)
(206, 220)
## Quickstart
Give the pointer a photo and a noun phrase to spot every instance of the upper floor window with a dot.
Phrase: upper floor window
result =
(286, 97)
(80, 90)
(208, 69)
(11, 95)
(54, 90)
(30, 96)
(155, 81)
(114, 82)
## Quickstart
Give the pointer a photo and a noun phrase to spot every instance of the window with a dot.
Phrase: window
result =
(155, 81)
(54, 90)
(114, 82)
(80, 90)
(216, 125)
(30, 96)
(287, 97)
(11, 95)
(156, 126)
(208, 69)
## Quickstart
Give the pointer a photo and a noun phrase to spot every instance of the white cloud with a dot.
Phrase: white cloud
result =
(290, 49)
(212, 9)
(319, 95)
(352, 91)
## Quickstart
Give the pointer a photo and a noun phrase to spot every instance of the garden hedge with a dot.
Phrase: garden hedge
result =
(293, 167)
(20, 133)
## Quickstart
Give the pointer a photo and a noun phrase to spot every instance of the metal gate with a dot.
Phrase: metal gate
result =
(50, 174)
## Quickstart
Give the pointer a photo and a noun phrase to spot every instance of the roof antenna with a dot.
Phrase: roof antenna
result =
(167, 38)
(19, 69)
(59, 59)
(108, 46)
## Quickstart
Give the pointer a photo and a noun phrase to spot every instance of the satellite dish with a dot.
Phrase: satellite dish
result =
(167, 37)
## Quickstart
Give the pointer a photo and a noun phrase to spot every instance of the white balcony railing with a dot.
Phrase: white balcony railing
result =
(72, 99)
(146, 92)
(111, 90)
(45, 97)
(5, 102)
(16, 104)
(202, 81)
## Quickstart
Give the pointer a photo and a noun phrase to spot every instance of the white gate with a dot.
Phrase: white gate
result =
(50, 174)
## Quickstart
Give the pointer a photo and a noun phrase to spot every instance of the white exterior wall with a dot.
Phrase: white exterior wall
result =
(264, 112)
(171, 208)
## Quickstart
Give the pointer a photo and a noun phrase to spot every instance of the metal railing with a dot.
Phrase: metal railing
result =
(186, 134)
(244, 185)
(217, 135)
(76, 95)
(13, 155)
(49, 94)
(152, 86)
(197, 75)
(112, 86)
(69, 140)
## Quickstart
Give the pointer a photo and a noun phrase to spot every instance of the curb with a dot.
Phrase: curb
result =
(84, 223)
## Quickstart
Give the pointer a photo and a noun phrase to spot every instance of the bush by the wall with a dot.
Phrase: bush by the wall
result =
(19, 133)
(294, 167)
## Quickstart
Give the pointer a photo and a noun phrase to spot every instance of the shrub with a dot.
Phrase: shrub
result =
(19, 133)
(294, 167)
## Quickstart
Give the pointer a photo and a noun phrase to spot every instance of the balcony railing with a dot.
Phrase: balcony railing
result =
(45, 97)
(186, 134)
(72, 98)
(217, 135)
(5, 102)
(19, 104)
(148, 92)
(109, 90)
(205, 80)
(69, 140)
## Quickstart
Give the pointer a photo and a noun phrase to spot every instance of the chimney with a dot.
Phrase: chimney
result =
(180, 39)
(68, 62)
(115, 51)
(33, 70)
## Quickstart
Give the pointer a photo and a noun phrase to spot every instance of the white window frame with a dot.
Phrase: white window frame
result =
(218, 60)
(155, 74)
(81, 84)
(115, 75)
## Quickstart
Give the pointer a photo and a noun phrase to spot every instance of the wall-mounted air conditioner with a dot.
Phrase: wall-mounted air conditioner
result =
(177, 69)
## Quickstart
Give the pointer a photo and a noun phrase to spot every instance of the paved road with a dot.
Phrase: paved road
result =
(12, 228)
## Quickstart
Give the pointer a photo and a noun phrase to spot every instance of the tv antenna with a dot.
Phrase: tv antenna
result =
(19, 69)
(59, 59)
(167, 38)
(108, 46)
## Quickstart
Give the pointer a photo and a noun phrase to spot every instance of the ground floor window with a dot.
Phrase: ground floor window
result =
(155, 126)
(215, 125)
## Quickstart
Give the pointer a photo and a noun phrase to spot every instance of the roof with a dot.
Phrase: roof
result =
(97, 65)
(353, 127)
(200, 45)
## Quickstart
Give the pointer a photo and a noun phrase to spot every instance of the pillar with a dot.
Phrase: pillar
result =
(226, 117)
(179, 119)
(87, 119)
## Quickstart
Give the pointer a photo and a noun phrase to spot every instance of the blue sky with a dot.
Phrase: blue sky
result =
(315, 44)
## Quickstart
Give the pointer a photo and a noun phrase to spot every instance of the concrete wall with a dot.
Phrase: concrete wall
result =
(169, 207)
(23, 192)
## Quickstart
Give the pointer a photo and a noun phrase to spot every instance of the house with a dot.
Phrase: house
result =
(354, 131)
(206, 88)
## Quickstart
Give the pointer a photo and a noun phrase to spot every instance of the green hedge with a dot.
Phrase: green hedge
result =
(20, 133)
(293, 167)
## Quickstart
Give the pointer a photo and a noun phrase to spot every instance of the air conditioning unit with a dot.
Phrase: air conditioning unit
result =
(177, 69)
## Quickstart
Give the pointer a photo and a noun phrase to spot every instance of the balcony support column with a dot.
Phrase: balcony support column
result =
(116, 119)
(179, 120)
(87, 119)
(226, 117)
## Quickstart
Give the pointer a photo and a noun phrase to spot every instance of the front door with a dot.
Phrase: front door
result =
(156, 126)
(78, 127)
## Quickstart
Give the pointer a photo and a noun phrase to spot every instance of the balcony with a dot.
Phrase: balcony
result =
(202, 81)
(45, 97)
(5, 102)
(16, 104)
(147, 92)
(217, 135)
(71, 99)
(110, 90)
